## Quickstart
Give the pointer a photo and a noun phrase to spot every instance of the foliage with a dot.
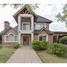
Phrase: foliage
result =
(39, 45)
(34, 6)
(50, 58)
(63, 16)
(52, 48)
(5, 54)
(16, 46)
(63, 40)
(57, 49)
(0, 38)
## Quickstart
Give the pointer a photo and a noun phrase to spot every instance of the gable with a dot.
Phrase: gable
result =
(43, 32)
(27, 10)
(24, 10)
(10, 30)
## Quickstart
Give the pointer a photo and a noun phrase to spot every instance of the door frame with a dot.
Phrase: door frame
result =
(23, 38)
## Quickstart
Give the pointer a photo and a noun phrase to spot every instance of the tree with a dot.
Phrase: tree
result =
(33, 6)
(63, 15)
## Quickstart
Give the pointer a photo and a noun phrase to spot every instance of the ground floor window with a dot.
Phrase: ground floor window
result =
(42, 37)
(11, 38)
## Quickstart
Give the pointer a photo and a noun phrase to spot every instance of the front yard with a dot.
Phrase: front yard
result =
(5, 54)
(49, 58)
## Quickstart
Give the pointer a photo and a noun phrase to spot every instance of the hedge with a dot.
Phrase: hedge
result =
(57, 49)
(63, 40)
(39, 45)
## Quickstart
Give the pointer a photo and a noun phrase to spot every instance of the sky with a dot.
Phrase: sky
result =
(46, 10)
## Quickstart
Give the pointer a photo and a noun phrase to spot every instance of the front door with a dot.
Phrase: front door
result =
(25, 40)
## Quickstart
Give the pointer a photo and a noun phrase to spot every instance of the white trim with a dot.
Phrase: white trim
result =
(43, 35)
(22, 39)
(10, 41)
(23, 24)
(26, 32)
(25, 15)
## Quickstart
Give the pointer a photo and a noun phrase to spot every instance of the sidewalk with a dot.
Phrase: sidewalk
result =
(24, 54)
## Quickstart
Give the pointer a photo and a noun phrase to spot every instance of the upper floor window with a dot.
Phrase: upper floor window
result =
(38, 26)
(26, 26)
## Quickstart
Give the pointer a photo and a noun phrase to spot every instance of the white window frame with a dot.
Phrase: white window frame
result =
(8, 36)
(43, 35)
(25, 23)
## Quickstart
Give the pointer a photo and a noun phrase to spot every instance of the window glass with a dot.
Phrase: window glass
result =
(26, 26)
(15, 38)
(42, 38)
(11, 37)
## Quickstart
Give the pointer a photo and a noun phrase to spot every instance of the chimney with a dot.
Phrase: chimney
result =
(6, 24)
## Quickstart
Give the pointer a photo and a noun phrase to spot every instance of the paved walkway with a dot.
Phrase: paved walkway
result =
(24, 54)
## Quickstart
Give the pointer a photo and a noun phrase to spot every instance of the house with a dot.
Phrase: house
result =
(30, 26)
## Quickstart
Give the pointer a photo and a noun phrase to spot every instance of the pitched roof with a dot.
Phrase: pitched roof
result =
(42, 19)
(38, 18)
(43, 29)
(6, 30)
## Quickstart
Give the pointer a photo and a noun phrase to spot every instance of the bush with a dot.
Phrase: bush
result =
(52, 48)
(44, 44)
(16, 45)
(39, 45)
(57, 49)
(0, 45)
(63, 40)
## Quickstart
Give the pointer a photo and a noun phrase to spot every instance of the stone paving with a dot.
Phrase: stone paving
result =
(24, 54)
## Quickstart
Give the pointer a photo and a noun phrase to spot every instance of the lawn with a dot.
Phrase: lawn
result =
(49, 58)
(5, 54)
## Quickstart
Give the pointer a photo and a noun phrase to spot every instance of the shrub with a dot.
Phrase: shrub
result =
(52, 48)
(16, 45)
(63, 40)
(57, 49)
(0, 45)
(44, 44)
(60, 51)
(39, 45)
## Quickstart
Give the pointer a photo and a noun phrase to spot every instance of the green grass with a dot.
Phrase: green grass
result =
(49, 58)
(5, 54)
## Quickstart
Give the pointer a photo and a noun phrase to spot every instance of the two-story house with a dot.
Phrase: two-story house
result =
(30, 26)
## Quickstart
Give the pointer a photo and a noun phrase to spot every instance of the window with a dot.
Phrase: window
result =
(38, 26)
(26, 26)
(43, 38)
(11, 38)
(15, 38)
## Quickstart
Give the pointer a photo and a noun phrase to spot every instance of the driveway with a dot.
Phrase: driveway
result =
(24, 54)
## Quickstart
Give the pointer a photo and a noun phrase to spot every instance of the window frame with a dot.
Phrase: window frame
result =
(8, 38)
(42, 36)
(28, 23)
